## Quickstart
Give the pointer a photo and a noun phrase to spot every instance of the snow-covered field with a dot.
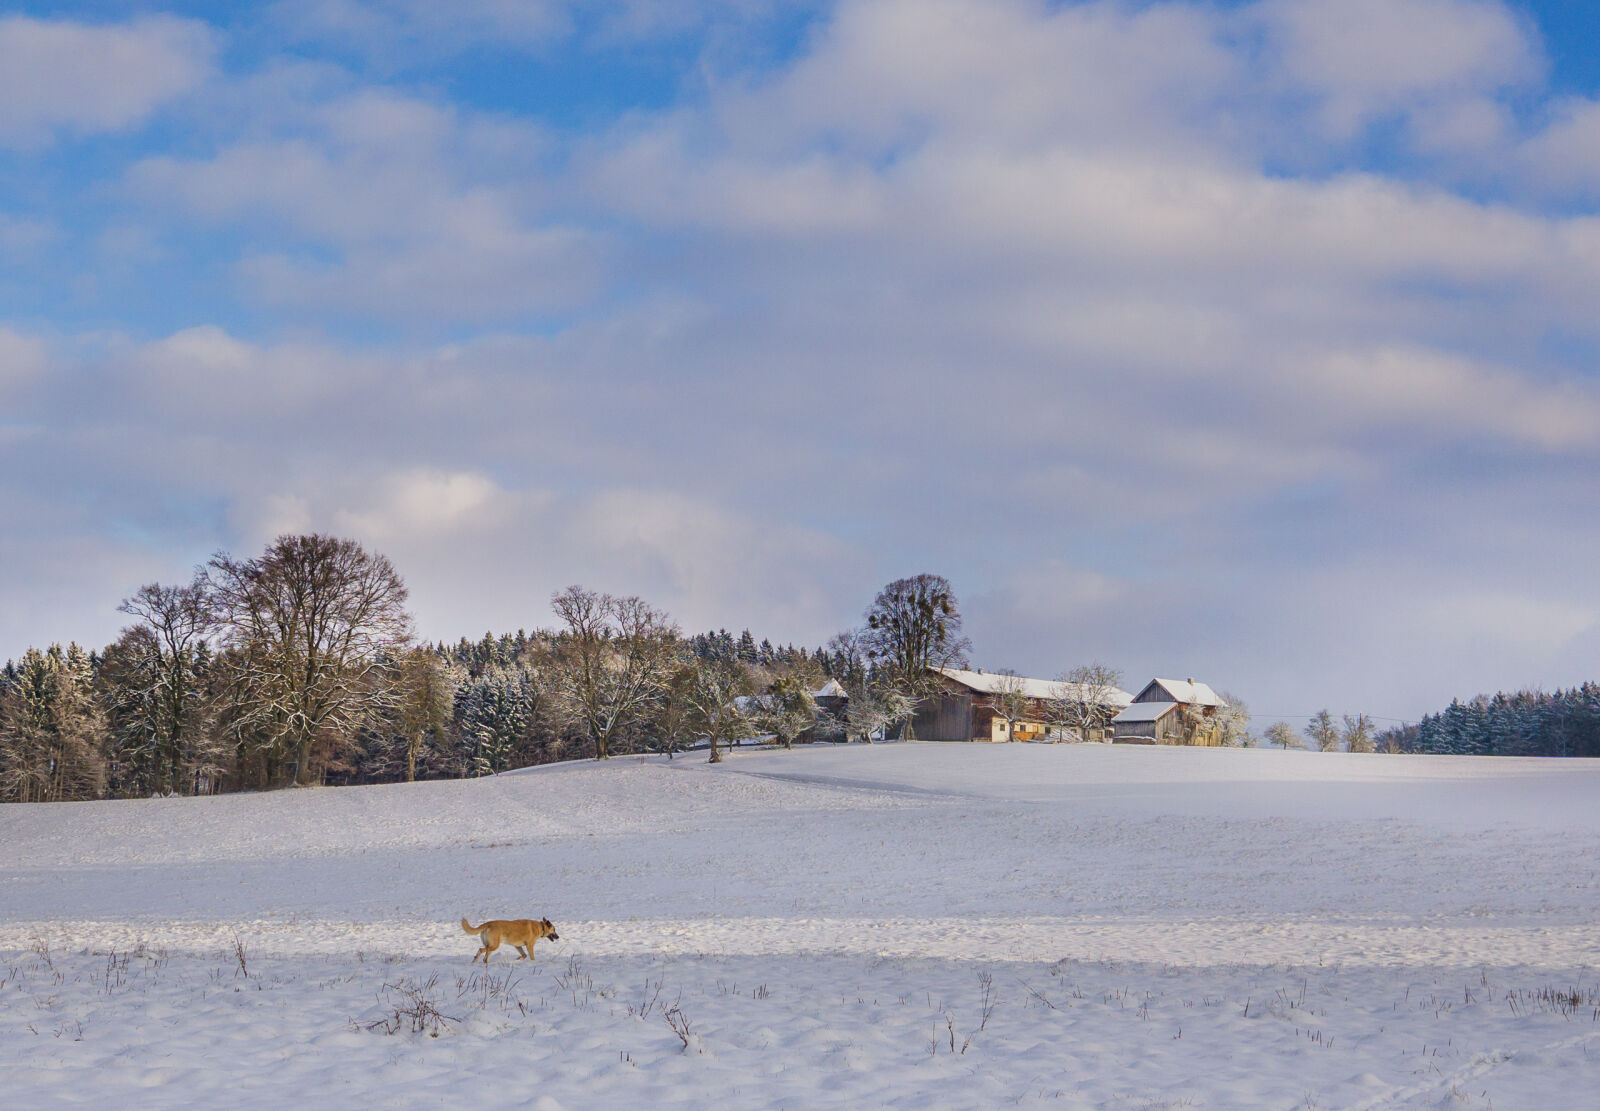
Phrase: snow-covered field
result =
(913, 926)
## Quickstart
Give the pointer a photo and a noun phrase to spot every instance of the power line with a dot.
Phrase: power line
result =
(1307, 717)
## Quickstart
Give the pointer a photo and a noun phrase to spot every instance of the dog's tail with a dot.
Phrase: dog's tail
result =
(469, 929)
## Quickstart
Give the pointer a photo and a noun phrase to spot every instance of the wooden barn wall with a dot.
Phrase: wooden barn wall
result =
(1144, 729)
(1152, 693)
(943, 717)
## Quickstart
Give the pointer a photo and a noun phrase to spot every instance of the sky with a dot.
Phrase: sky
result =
(1251, 341)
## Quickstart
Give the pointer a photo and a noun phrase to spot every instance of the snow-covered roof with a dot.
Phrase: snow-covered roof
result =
(1185, 690)
(991, 682)
(1145, 711)
(831, 689)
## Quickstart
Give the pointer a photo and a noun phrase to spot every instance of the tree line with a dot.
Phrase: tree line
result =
(1355, 733)
(299, 666)
(1526, 723)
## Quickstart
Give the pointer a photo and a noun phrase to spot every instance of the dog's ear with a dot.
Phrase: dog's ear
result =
(548, 924)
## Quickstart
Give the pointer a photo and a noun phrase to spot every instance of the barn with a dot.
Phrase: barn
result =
(962, 706)
(1169, 712)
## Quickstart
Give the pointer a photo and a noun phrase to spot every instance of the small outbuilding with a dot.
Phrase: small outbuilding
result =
(833, 701)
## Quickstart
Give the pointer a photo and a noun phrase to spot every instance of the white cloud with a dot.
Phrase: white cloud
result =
(381, 179)
(1527, 623)
(208, 375)
(395, 32)
(1467, 130)
(1363, 59)
(57, 75)
(1564, 158)
(1455, 397)
(22, 358)
(479, 555)
(363, 167)
(884, 75)
(23, 235)
(473, 270)
(419, 501)
(390, 28)
(706, 559)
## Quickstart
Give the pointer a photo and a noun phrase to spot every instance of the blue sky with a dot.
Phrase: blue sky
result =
(1252, 341)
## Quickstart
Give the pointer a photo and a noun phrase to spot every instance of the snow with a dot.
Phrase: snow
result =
(1184, 690)
(1154, 927)
(1146, 711)
(992, 682)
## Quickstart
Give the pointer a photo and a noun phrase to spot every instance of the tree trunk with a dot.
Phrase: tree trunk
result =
(302, 759)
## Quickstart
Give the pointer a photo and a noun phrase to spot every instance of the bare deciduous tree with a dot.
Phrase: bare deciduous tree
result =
(1009, 700)
(674, 717)
(612, 661)
(866, 714)
(914, 625)
(1397, 738)
(713, 701)
(1282, 734)
(314, 624)
(1358, 732)
(848, 654)
(1084, 700)
(1322, 732)
(425, 697)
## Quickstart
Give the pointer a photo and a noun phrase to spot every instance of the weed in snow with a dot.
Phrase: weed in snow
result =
(413, 1009)
(681, 1026)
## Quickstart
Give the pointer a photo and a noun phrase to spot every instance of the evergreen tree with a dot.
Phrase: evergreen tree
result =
(51, 729)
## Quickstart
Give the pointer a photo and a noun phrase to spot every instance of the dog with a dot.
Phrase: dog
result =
(520, 932)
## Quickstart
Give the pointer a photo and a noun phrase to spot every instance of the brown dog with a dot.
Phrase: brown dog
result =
(520, 932)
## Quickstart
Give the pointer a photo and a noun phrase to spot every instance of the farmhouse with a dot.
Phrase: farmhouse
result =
(970, 706)
(1169, 712)
(832, 699)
